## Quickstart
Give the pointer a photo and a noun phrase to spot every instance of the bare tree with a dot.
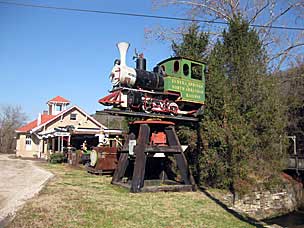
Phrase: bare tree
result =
(11, 118)
(283, 45)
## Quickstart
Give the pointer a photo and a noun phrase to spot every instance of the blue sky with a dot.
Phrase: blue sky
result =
(45, 53)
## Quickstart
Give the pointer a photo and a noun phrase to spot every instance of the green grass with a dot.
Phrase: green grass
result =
(74, 198)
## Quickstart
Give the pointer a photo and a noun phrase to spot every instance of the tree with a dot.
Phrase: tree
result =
(11, 118)
(242, 129)
(292, 88)
(244, 119)
(193, 45)
(282, 45)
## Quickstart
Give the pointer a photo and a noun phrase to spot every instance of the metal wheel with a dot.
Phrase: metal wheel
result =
(173, 107)
(147, 106)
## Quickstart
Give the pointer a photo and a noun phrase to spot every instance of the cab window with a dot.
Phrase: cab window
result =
(186, 69)
(196, 71)
(176, 66)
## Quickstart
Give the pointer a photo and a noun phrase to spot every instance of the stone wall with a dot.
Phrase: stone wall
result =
(272, 203)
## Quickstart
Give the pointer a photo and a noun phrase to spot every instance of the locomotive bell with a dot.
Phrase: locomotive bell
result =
(123, 48)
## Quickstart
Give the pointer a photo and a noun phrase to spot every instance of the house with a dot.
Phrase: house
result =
(61, 126)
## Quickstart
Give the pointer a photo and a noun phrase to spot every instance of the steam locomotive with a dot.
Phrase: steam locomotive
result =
(176, 86)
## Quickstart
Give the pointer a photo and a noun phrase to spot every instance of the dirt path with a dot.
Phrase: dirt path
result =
(20, 180)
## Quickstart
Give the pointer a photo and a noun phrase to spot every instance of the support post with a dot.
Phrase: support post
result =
(53, 144)
(61, 148)
(123, 161)
(180, 157)
(140, 160)
(58, 143)
(140, 130)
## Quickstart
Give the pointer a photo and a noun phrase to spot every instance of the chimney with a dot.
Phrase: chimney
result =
(39, 119)
(123, 48)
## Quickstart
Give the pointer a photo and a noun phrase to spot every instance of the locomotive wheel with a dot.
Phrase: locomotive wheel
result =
(173, 107)
(147, 106)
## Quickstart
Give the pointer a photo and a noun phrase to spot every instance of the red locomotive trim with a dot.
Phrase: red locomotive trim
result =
(112, 98)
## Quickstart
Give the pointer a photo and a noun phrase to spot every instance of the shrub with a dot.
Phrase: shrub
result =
(57, 158)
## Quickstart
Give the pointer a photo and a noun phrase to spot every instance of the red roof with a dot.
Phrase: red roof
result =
(33, 124)
(59, 99)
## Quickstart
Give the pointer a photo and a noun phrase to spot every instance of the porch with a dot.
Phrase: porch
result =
(58, 139)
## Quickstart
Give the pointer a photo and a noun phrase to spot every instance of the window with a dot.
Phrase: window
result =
(28, 142)
(196, 70)
(163, 68)
(73, 116)
(186, 69)
(176, 66)
(58, 108)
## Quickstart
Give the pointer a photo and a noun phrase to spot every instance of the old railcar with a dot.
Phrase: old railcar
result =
(176, 85)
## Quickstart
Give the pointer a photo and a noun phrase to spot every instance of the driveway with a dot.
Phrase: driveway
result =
(20, 180)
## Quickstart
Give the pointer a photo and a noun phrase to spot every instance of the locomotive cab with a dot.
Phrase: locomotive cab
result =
(185, 77)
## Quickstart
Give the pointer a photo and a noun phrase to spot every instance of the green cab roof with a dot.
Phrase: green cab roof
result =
(179, 58)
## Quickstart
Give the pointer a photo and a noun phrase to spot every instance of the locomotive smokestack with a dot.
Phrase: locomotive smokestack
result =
(123, 48)
(141, 62)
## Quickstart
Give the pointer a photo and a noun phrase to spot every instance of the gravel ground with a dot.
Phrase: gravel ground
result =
(20, 180)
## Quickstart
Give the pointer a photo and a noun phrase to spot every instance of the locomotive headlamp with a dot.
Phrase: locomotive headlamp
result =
(117, 62)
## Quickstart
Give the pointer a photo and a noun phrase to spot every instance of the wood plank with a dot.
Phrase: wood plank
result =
(123, 163)
(181, 161)
(168, 188)
(140, 160)
(101, 172)
(121, 184)
(163, 188)
(125, 147)
(163, 149)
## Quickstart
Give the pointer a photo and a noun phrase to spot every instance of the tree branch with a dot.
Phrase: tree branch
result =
(269, 23)
(285, 52)
(258, 12)
(218, 11)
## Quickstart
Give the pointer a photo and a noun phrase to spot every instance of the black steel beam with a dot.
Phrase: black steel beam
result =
(147, 115)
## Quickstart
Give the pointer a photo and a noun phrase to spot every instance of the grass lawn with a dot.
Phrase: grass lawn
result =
(74, 198)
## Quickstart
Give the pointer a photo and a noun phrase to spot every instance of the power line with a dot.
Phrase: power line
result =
(142, 15)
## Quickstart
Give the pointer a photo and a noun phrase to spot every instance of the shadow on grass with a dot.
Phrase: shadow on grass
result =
(5, 222)
(246, 219)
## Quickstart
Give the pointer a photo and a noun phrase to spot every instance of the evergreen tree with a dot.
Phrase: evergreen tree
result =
(242, 129)
(244, 119)
(192, 46)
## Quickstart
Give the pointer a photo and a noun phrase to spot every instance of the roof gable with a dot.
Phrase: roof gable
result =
(58, 99)
(31, 125)
(47, 119)
(57, 117)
